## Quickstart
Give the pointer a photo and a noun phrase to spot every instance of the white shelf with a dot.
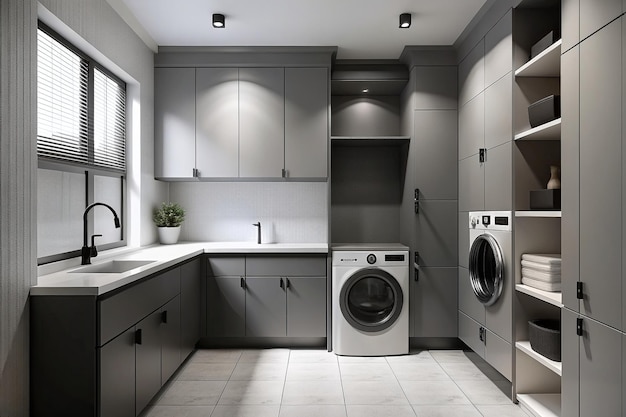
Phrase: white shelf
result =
(554, 298)
(538, 213)
(370, 140)
(546, 64)
(540, 405)
(554, 366)
(547, 131)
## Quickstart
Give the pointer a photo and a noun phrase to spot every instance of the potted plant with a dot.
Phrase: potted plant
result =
(168, 218)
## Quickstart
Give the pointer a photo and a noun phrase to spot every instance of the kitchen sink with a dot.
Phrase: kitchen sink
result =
(111, 267)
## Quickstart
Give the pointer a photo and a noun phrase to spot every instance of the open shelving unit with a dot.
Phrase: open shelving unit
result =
(541, 405)
(547, 131)
(550, 297)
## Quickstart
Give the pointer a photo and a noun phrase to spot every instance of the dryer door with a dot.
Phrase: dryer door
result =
(371, 300)
(486, 268)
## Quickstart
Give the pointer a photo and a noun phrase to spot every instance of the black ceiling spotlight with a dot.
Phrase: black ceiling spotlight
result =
(219, 21)
(405, 20)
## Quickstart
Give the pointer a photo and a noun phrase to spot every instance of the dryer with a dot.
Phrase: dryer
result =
(370, 300)
(491, 281)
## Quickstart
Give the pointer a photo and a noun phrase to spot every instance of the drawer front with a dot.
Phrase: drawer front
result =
(221, 266)
(299, 265)
(124, 309)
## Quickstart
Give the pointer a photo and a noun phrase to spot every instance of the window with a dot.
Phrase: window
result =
(81, 147)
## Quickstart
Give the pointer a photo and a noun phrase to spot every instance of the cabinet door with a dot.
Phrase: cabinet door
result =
(498, 178)
(594, 14)
(570, 23)
(117, 376)
(306, 122)
(170, 338)
(472, 73)
(436, 163)
(174, 122)
(147, 360)
(266, 312)
(226, 307)
(190, 301)
(600, 370)
(471, 184)
(306, 307)
(217, 122)
(600, 182)
(570, 358)
(472, 126)
(261, 122)
(468, 302)
(470, 334)
(436, 239)
(434, 303)
(499, 354)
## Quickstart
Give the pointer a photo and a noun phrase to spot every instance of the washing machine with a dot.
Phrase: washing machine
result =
(370, 300)
(492, 282)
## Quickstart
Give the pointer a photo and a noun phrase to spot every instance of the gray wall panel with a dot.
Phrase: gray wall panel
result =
(499, 50)
(499, 178)
(437, 233)
(472, 126)
(499, 112)
(365, 116)
(434, 303)
(471, 184)
(570, 23)
(435, 88)
(472, 73)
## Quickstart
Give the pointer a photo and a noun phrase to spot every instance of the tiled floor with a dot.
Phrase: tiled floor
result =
(316, 383)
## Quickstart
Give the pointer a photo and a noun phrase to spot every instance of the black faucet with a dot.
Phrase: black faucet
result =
(258, 238)
(87, 252)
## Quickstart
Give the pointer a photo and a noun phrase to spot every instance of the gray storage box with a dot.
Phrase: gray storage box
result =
(545, 199)
(543, 43)
(545, 338)
(544, 110)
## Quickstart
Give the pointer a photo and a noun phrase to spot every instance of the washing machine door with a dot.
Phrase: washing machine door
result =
(371, 300)
(486, 268)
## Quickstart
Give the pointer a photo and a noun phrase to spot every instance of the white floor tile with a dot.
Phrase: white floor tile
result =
(366, 372)
(443, 356)
(419, 371)
(199, 371)
(252, 393)
(216, 355)
(380, 411)
(313, 372)
(313, 393)
(511, 410)
(463, 371)
(259, 371)
(446, 411)
(362, 359)
(312, 356)
(374, 393)
(423, 356)
(265, 355)
(483, 392)
(313, 411)
(178, 411)
(191, 393)
(246, 411)
(434, 393)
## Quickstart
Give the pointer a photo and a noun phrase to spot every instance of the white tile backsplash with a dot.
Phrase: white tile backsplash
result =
(289, 212)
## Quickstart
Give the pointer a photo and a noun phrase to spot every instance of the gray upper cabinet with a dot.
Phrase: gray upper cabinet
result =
(472, 73)
(597, 13)
(261, 122)
(600, 160)
(217, 122)
(436, 165)
(570, 189)
(175, 115)
(306, 122)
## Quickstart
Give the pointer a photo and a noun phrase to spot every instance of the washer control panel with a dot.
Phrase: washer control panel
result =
(373, 258)
(490, 220)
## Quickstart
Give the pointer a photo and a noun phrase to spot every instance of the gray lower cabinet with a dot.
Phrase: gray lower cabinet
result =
(592, 373)
(106, 356)
(436, 237)
(191, 279)
(266, 296)
(433, 303)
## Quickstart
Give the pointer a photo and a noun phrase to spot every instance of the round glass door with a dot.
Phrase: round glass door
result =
(371, 300)
(486, 268)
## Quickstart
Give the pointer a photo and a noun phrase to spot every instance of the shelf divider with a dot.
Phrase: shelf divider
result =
(554, 298)
(554, 366)
(546, 131)
(545, 64)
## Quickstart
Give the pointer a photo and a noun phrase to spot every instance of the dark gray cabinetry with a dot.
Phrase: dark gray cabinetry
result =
(191, 279)
(267, 296)
(109, 355)
(436, 237)
(432, 298)
(216, 122)
(175, 118)
(261, 122)
(592, 376)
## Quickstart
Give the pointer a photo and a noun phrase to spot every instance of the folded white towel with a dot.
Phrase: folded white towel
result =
(541, 276)
(542, 267)
(546, 286)
(546, 259)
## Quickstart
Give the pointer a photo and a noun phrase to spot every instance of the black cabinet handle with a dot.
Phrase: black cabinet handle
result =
(138, 337)
(482, 334)
(579, 290)
(282, 284)
(287, 282)
(579, 326)
(243, 283)
(164, 317)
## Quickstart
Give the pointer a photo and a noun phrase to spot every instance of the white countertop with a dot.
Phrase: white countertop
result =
(66, 282)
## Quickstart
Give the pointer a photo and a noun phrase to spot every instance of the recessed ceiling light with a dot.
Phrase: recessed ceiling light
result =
(405, 20)
(219, 21)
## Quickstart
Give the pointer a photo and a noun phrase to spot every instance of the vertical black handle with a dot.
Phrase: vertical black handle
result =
(164, 317)
(579, 290)
(579, 326)
(482, 155)
(282, 284)
(416, 199)
(287, 284)
(243, 283)
(482, 334)
(138, 337)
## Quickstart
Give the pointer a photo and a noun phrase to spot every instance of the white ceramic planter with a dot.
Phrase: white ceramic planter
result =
(168, 235)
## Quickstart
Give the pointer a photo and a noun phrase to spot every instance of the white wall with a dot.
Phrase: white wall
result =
(95, 22)
(289, 212)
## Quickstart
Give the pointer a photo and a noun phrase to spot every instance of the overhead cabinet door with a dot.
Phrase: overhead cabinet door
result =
(306, 122)
(217, 122)
(261, 122)
(174, 115)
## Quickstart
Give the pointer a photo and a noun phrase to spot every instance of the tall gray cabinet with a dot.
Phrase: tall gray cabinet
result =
(242, 115)
(593, 318)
